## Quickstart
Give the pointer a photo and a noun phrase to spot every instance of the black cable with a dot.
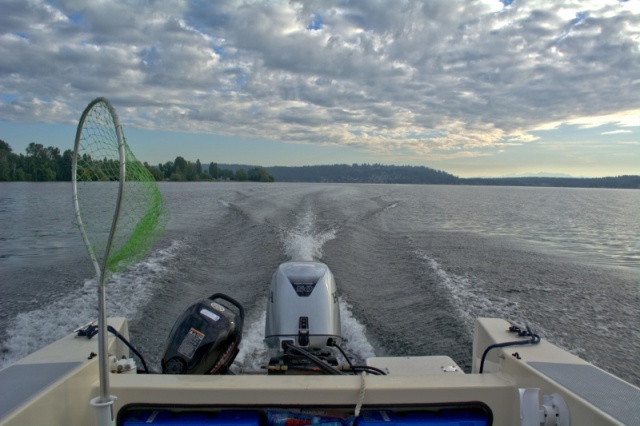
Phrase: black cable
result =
(355, 368)
(333, 343)
(317, 361)
(92, 330)
(535, 339)
(369, 369)
(130, 346)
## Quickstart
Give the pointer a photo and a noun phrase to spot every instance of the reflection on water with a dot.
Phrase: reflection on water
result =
(37, 222)
(602, 224)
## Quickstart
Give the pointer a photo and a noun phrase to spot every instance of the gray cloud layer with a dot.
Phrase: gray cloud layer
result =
(437, 76)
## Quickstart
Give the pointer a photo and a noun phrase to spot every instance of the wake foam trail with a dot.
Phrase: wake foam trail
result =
(354, 333)
(127, 292)
(391, 206)
(253, 353)
(470, 297)
(303, 242)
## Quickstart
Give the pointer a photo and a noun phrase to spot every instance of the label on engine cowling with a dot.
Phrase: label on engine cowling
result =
(190, 343)
(209, 314)
(217, 307)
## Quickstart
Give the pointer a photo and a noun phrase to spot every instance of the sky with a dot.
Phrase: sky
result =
(474, 88)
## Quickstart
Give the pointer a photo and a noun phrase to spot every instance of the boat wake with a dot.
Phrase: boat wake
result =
(127, 293)
(354, 334)
(304, 242)
(253, 354)
(469, 296)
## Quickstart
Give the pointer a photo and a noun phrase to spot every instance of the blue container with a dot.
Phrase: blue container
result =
(447, 417)
(161, 417)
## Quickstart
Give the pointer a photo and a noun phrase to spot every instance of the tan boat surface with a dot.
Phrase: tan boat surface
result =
(54, 385)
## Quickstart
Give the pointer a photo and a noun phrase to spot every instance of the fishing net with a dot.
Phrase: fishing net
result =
(119, 208)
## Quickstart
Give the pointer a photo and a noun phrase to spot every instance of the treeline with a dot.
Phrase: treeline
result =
(42, 164)
(183, 170)
(377, 173)
(363, 173)
(49, 164)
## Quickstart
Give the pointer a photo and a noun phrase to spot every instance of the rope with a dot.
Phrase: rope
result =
(361, 396)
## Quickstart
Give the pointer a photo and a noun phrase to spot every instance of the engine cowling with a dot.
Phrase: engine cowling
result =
(205, 338)
(303, 308)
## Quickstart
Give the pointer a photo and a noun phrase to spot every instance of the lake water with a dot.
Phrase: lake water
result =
(414, 265)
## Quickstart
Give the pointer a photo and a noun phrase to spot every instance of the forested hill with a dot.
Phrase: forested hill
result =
(623, 182)
(377, 173)
(362, 173)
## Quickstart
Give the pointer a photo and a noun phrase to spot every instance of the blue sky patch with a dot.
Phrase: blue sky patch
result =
(315, 22)
(76, 18)
(148, 55)
(7, 98)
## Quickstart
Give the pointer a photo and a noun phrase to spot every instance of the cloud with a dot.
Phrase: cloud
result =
(615, 132)
(624, 118)
(436, 77)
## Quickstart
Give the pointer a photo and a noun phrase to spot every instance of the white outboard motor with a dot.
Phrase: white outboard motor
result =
(302, 310)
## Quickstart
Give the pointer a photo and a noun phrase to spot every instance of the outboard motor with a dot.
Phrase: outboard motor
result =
(302, 310)
(205, 339)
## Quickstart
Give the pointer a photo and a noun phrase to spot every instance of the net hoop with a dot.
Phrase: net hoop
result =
(101, 270)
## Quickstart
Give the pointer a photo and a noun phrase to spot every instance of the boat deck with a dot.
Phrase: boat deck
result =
(55, 384)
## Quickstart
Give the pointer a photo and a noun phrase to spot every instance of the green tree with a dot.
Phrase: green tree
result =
(180, 166)
(54, 160)
(258, 174)
(5, 165)
(39, 163)
(65, 166)
(20, 175)
(226, 173)
(155, 171)
(191, 173)
(241, 175)
(213, 170)
(18, 168)
(167, 169)
(177, 177)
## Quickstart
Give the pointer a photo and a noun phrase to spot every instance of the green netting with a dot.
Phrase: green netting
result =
(142, 215)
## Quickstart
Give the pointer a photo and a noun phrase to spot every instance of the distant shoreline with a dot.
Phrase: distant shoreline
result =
(619, 182)
(377, 173)
(49, 164)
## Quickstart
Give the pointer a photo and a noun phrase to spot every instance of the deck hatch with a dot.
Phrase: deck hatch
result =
(20, 383)
(612, 395)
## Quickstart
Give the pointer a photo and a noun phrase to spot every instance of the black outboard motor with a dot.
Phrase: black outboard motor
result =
(205, 339)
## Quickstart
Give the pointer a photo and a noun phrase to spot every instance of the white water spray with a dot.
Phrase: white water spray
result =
(129, 291)
(304, 242)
